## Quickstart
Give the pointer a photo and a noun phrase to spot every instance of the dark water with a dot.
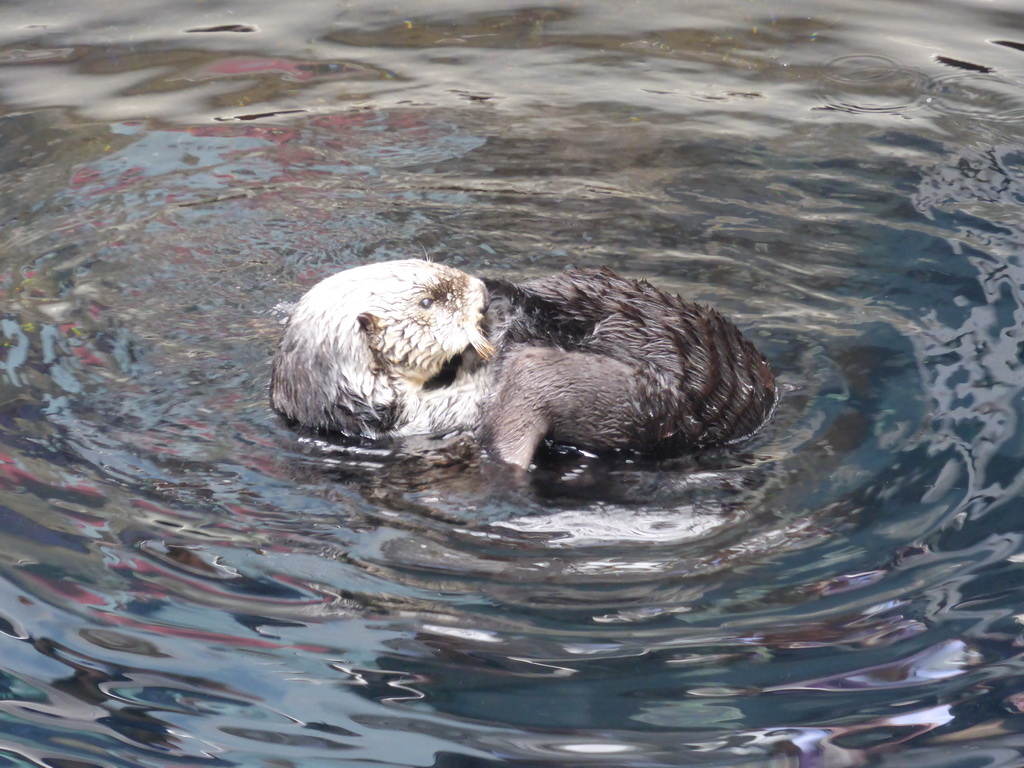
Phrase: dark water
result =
(185, 583)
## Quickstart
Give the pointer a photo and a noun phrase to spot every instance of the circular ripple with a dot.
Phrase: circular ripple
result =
(872, 84)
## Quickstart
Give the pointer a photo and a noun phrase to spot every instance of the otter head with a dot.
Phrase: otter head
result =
(362, 341)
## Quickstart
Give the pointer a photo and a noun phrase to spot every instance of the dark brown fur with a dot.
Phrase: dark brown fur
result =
(599, 361)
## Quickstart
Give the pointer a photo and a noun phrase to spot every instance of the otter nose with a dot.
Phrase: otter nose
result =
(486, 304)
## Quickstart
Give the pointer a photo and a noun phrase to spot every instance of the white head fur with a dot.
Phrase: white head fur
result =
(361, 345)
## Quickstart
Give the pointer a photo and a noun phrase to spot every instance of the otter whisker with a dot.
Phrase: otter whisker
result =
(483, 347)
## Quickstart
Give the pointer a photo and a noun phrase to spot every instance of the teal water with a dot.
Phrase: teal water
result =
(185, 582)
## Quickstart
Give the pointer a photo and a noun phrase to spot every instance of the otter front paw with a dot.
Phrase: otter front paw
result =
(571, 397)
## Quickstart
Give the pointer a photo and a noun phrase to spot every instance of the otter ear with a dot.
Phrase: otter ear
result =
(369, 323)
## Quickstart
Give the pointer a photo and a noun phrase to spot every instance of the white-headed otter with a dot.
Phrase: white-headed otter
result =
(584, 357)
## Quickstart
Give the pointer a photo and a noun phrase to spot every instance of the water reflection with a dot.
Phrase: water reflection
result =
(974, 366)
(185, 581)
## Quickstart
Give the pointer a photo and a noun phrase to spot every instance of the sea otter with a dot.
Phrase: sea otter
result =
(584, 357)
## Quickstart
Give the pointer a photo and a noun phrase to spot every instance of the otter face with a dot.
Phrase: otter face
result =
(364, 340)
(427, 321)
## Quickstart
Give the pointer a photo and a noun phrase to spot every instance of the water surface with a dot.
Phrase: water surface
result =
(186, 582)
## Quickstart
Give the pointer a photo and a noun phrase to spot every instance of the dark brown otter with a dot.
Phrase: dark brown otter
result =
(584, 357)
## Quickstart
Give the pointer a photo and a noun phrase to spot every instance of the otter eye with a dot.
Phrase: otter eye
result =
(427, 303)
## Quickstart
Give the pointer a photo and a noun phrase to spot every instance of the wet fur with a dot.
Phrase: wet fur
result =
(586, 357)
(599, 361)
(360, 352)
